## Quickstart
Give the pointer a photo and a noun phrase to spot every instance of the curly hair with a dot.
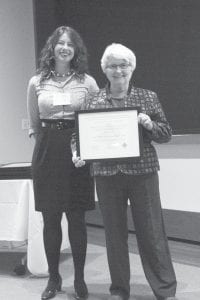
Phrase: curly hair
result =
(79, 62)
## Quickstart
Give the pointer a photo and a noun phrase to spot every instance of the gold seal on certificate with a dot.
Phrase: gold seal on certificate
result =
(104, 134)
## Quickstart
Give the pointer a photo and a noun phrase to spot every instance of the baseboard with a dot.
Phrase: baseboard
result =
(180, 225)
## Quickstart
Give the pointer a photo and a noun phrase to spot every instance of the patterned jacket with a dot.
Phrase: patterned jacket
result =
(161, 132)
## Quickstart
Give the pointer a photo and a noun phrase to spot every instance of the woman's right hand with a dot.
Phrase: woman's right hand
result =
(77, 160)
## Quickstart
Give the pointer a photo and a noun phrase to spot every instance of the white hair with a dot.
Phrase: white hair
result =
(118, 51)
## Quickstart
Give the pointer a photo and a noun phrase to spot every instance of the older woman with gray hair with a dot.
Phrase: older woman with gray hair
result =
(118, 181)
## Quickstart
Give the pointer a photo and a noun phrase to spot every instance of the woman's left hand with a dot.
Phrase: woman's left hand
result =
(145, 121)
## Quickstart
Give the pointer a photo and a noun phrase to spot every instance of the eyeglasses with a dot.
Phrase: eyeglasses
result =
(122, 66)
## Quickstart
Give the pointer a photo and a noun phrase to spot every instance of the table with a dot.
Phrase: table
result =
(20, 222)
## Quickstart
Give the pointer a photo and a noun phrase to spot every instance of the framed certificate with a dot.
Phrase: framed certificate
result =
(108, 134)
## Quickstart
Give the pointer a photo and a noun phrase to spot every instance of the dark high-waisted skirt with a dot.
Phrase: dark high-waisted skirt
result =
(58, 185)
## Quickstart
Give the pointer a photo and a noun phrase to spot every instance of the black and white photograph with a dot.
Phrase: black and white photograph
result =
(100, 149)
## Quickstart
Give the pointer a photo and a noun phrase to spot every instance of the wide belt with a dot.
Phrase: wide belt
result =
(58, 124)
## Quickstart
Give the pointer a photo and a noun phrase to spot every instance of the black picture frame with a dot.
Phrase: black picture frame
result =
(82, 116)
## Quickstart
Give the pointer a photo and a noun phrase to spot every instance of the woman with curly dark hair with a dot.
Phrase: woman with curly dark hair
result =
(59, 88)
(78, 63)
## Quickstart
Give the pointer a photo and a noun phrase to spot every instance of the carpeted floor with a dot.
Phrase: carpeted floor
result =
(28, 287)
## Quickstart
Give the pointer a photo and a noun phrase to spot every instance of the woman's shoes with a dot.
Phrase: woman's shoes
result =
(80, 287)
(51, 289)
(81, 291)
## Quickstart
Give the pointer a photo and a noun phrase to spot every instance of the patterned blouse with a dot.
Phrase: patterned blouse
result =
(161, 132)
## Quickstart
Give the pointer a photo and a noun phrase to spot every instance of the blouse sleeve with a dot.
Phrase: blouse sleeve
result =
(92, 90)
(32, 108)
(92, 85)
